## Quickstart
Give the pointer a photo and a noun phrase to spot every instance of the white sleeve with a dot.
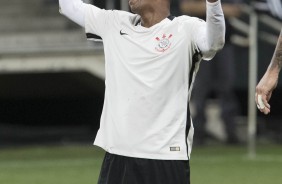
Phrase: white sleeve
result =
(74, 10)
(210, 36)
(98, 22)
(92, 18)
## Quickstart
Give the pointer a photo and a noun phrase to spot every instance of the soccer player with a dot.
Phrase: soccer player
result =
(151, 59)
(270, 79)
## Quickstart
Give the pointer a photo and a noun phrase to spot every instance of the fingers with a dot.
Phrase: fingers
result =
(262, 103)
(265, 110)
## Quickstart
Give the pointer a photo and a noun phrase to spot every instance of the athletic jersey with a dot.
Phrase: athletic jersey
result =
(149, 77)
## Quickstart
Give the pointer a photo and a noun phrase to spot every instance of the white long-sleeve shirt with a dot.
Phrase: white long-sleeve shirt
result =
(149, 77)
(209, 37)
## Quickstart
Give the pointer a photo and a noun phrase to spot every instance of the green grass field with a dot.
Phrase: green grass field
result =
(81, 165)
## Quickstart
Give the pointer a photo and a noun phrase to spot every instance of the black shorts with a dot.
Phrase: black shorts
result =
(118, 169)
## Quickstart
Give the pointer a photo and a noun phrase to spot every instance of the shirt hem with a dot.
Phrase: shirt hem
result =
(143, 156)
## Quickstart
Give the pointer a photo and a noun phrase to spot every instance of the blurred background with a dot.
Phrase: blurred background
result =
(52, 92)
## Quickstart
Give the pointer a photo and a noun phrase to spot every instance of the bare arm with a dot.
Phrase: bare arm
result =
(276, 62)
(74, 10)
(211, 36)
(269, 81)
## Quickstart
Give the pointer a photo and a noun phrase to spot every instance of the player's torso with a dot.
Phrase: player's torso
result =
(148, 52)
(147, 73)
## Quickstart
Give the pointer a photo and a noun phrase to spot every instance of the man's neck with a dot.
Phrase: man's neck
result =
(149, 19)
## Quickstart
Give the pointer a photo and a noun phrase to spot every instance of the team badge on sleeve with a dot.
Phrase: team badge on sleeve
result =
(163, 43)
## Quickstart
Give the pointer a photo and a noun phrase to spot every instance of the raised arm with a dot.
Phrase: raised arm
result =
(74, 10)
(270, 79)
(198, 8)
(210, 37)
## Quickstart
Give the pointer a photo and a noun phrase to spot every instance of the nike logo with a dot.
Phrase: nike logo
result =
(122, 33)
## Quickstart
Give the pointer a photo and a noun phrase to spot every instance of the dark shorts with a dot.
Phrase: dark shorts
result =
(127, 170)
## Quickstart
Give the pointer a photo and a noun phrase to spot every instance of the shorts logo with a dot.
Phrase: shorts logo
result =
(163, 43)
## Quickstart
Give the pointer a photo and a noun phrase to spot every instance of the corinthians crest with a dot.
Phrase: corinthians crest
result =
(163, 43)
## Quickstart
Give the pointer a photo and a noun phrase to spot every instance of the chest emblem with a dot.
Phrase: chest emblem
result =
(163, 43)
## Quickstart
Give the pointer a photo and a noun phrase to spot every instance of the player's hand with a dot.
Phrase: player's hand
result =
(264, 91)
(212, 1)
